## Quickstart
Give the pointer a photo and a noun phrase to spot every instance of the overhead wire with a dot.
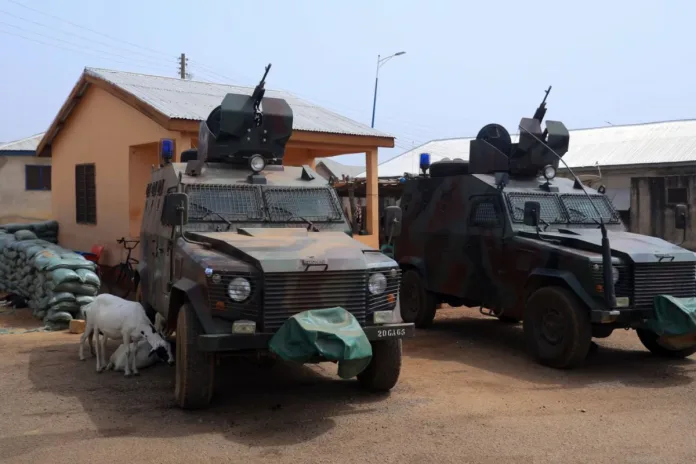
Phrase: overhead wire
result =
(201, 69)
(79, 46)
(88, 39)
(138, 47)
(78, 51)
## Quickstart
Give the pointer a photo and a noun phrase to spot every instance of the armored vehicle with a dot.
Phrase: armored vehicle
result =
(235, 245)
(502, 232)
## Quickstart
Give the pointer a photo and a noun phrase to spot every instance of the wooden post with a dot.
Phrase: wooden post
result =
(372, 197)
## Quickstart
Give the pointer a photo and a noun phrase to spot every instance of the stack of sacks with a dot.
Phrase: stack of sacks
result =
(56, 282)
(47, 230)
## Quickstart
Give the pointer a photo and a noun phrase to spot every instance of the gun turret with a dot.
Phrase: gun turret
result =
(492, 150)
(244, 126)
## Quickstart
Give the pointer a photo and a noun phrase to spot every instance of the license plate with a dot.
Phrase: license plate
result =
(389, 333)
(622, 302)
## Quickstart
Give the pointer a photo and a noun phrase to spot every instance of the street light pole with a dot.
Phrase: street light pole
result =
(380, 62)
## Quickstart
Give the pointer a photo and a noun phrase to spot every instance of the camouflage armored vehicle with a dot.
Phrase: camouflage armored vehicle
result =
(235, 245)
(502, 232)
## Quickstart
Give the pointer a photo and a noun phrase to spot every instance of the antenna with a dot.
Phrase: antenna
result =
(606, 250)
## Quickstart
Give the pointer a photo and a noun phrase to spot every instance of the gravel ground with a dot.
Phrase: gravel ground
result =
(468, 393)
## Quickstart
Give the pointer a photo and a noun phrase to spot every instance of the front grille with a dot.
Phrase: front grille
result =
(217, 292)
(652, 279)
(381, 302)
(623, 286)
(289, 293)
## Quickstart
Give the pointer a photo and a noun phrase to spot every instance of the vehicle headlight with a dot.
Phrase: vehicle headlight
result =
(239, 289)
(549, 172)
(377, 283)
(257, 163)
(614, 274)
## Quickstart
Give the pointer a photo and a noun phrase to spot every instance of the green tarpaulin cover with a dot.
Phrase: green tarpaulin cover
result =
(333, 333)
(673, 316)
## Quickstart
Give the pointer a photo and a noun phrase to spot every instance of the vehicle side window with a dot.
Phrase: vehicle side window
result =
(485, 212)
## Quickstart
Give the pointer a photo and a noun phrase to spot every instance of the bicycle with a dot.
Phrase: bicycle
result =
(124, 283)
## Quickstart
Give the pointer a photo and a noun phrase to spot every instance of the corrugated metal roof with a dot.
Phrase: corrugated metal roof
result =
(650, 143)
(193, 100)
(340, 169)
(25, 144)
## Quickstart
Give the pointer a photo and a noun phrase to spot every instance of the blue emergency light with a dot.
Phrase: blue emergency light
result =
(424, 161)
(167, 150)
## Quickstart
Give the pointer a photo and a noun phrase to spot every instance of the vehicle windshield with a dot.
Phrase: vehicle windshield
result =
(249, 203)
(568, 208)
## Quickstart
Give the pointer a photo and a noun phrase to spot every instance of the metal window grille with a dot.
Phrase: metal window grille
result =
(289, 204)
(233, 202)
(85, 194)
(580, 210)
(37, 177)
(551, 208)
(485, 214)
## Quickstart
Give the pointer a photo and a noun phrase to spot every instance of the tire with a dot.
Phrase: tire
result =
(649, 340)
(507, 319)
(194, 369)
(417, 305)
(565, 348)
(383, 371)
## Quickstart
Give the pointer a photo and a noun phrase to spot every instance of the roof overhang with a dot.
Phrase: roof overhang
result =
(312, 140)
(620, 167)
(17, 153)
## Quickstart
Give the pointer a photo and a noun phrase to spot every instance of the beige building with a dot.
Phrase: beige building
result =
(104, 141)
(645, 168)
(25, 182)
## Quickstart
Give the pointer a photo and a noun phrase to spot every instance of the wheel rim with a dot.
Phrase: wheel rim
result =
(552, 326)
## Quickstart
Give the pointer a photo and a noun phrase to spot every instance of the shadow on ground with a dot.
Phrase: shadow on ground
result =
(491, 345)
(256, 406)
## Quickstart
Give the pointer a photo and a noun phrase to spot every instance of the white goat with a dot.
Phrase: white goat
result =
(144, 357)
(114, 317)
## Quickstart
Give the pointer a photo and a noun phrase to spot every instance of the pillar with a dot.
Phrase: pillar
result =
(372, 197)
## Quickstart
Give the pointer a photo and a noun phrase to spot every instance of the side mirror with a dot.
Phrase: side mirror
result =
(531, 213)
(392, 221)
(175, 209)
(680, 217)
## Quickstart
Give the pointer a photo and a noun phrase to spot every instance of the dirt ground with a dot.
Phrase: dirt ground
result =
(468, 393)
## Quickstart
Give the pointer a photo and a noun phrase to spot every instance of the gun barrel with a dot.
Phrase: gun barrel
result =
(543, 102)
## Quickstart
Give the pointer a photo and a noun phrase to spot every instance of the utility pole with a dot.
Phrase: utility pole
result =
(182, 65)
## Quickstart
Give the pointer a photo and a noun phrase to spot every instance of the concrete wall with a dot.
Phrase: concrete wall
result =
(652, 214)
(101, 130)
(620, 178)
(16, 203)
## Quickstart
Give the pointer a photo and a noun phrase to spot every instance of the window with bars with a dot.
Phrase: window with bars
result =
(37, 177)
(485, 213)
(85, 194)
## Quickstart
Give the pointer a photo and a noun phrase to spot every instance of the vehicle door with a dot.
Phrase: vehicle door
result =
(484, 248)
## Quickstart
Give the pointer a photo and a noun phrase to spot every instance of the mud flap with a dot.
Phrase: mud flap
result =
(674, 321)
(332, 333)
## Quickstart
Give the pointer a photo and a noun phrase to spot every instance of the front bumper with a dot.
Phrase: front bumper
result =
(622, 316)
(259, 341)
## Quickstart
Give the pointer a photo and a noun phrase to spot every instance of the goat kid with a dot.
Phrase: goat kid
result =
(114, 317)
(144, 357)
